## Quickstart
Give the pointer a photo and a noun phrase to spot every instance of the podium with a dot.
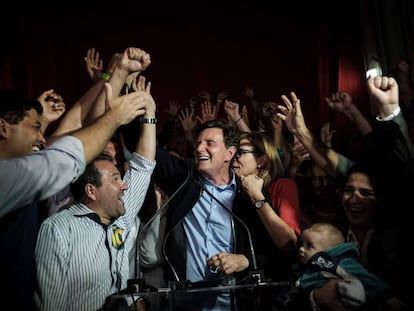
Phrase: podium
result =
(251, 294)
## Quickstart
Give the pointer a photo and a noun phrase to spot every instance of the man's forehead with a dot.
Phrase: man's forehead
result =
(107, 167)
(213, 131)
(32, 114)
(32, 118)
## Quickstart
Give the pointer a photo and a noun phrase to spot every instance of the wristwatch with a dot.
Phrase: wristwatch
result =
(259, 204)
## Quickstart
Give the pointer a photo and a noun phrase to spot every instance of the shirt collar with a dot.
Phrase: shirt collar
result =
(232, 183)
(81, 210)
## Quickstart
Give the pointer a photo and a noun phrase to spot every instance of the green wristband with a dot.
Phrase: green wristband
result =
(105, 76)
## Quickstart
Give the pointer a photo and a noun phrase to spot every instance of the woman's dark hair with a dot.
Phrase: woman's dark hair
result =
(364, 169)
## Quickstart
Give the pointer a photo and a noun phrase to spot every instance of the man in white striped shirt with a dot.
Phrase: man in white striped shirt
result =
(82, 252)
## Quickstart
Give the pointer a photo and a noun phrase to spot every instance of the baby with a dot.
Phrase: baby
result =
(326, 255)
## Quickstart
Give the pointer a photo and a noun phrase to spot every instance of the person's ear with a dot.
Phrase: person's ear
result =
(261, 162)
(4, 128)
(231, 152)
(90, 191)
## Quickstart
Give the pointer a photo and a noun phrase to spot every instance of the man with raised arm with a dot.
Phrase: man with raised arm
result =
(33, 176)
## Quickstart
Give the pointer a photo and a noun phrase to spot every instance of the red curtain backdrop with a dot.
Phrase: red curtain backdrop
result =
(273, 49)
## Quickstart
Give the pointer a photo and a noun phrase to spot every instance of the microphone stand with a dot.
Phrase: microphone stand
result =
(255, 275)
(138, 284)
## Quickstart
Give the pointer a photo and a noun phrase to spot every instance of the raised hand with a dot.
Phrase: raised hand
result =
(299, 154)
(340, 102)
(115, 59)
(187, 121)
(326, 134)
(232, 110)
(291, 113)
(94, 64)
(208, 112)
(276, 122)
(143, 87)
(173, 108)
(135, 59)
(245, 115)
(53, 105)
(384, 93)
(124, 108)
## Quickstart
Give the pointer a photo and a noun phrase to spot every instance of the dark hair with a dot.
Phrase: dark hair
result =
(91, 175)
(231, 135)
(14, 106)
(366, 169)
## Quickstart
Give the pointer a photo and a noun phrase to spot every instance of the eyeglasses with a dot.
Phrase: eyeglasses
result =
(240, 152)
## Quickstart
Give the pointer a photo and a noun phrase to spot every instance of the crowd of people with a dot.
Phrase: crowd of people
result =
(233, 196)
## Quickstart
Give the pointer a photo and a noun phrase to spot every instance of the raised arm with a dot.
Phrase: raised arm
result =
(208, 112)
(146, 144)
(77, 116)
(233, 113)
(292, 115)
(221, 97)
(92, 104)
(188, 123)
(342, 102)
(326, 134)
(53, 108)
(384, 94)
(122, 111)
(93, 64)
(67, 155)
(385, 97)
(128, 64)
(249, 93)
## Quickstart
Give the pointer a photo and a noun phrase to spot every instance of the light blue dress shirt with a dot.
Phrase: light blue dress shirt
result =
(209, 230)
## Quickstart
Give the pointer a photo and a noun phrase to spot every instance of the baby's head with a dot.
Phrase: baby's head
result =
(319, 237)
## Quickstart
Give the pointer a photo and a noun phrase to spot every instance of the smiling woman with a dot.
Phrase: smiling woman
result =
(259, 165)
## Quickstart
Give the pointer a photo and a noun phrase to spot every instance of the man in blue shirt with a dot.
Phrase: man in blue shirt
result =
(204, 241)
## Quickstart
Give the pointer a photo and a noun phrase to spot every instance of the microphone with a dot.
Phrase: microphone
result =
(255, 275)
(138, 284)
